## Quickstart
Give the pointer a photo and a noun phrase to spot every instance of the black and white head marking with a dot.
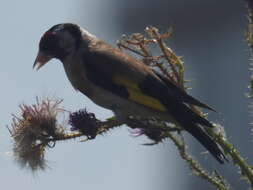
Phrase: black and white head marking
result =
(61, 40)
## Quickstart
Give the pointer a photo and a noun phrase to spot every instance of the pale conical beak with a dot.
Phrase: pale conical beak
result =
(41, 60)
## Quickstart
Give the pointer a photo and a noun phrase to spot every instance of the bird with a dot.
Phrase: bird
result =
(122, 83)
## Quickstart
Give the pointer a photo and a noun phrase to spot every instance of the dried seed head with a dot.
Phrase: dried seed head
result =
(32, 132)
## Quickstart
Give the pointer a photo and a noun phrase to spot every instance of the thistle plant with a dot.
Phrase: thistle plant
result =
(37, 127)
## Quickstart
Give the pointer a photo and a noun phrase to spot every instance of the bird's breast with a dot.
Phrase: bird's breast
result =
(76, 74)
(77, 77)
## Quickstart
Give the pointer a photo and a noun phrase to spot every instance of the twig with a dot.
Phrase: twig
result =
(246, 169)
(154, 33)
(195, 166)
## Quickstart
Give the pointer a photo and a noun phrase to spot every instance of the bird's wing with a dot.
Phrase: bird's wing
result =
(181, 94)
(127, 77)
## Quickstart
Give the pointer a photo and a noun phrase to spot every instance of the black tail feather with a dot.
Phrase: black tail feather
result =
(207, 142)
(190, 121)
(174, 89)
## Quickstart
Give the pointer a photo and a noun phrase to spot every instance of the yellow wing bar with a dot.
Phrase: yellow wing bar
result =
(136, 95)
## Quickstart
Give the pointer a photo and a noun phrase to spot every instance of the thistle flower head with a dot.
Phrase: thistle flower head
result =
(148, 127)
(32, 132)
(136, 132)
(84, 122)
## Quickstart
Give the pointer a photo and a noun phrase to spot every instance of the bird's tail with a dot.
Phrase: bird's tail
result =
(190, 121)
(207, 142)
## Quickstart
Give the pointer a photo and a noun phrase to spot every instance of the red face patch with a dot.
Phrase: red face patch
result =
(47, 35)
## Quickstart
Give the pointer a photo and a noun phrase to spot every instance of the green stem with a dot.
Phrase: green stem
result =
(245, 168)
(195, 166)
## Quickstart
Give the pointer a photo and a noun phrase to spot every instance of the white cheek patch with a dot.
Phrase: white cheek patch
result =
(86, 35)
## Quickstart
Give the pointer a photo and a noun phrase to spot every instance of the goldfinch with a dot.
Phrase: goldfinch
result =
(121, 83)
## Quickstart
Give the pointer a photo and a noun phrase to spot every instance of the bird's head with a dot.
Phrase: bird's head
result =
(58, 42)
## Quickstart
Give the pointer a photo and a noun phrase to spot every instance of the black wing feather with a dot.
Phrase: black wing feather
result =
(181, 94)
(174, 104)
